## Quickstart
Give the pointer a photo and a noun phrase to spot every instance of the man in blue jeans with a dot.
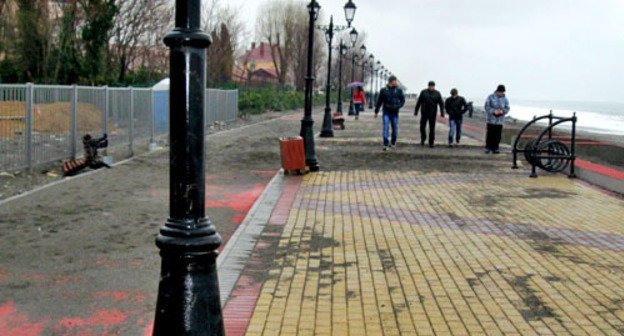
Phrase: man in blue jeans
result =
(455, 107)
(392, 99)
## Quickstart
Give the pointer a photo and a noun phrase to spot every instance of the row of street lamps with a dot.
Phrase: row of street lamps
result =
(307, 123)
(377, 71)
(188, 302)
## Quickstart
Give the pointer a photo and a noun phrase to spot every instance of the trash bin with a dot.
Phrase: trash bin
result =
(293, 154)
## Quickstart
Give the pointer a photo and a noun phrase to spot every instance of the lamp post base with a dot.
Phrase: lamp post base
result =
(188, 295)
(328, 128)
(307, 133)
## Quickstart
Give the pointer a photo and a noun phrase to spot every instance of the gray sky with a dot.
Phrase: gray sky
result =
(540, 49)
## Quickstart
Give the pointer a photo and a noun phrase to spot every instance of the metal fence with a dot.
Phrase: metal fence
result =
(45, 123)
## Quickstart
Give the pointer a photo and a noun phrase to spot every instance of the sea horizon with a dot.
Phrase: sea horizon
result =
(597, 117)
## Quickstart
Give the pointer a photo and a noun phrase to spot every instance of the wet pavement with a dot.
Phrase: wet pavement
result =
(412, 241)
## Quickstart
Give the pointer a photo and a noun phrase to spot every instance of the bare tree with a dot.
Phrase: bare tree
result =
(133, 40)
(226, 29)
(284, 25)
(215, 14)
(276, 25)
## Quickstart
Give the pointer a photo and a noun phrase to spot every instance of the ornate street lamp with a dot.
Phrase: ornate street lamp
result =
(365, 61)
(364, 64)
(354, 59)
(342, 49)
(379, 81)
(328, 129)
(353, 35)
(376, 88)
(188, 293)
(371, 61)
(349, 9)
(307, 132)
(363, 58)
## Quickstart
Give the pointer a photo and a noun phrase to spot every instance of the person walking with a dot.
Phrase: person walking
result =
(496, 108)
(429, 100)
(359, 101)
(392, 99)
(455, 107)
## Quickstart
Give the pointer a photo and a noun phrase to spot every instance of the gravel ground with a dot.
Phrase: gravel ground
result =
(16, 182)
(78, 257)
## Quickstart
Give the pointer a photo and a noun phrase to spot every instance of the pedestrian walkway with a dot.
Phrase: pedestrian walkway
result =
(409, 252)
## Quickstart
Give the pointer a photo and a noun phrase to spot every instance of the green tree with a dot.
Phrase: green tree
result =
(68, 57)
(95, 36)
(33, 38)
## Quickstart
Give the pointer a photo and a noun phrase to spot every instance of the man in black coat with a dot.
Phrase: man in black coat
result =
(392, 99)
(429, 100)
(455, 108)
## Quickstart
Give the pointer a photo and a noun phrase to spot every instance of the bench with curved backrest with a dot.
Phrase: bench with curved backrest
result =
(91, 158)
(545, 152)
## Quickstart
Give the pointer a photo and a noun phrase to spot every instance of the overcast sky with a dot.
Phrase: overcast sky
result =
(569, 50)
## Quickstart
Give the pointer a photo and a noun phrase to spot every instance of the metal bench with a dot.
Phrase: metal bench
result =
(545, 152)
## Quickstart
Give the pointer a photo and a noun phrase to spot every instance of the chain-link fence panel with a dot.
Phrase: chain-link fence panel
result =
(52, 121)
(90, 114)
(44, 123)
(13, 126)
(119, 121)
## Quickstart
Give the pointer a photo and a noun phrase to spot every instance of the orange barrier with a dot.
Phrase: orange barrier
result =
(293, 154)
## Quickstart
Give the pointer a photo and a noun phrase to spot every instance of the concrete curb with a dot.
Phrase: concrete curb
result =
(238, 250)
(602, 176)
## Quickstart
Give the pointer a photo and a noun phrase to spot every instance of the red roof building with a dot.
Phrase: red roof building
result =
(256, 65)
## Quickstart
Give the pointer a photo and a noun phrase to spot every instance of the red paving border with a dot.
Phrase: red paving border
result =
(600, 169)
(240, 307)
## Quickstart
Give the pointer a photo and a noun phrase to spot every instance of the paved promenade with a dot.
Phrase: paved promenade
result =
(402, 251)
(412, 241)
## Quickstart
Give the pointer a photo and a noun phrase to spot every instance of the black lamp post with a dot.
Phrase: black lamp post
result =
(364, 64)
(353, 35)
(307, 132)
(376, 79)
(342, 50)
(371, 61)
(188, 301)
(354, 59)
(379, 82)
(328, 130)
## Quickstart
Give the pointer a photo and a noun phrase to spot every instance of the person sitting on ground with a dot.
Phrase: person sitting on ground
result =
(392, 99)
(455, 108)
(359, 101)
(429, 99)
(496, 108)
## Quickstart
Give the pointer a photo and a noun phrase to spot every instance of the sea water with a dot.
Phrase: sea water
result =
(596, 117)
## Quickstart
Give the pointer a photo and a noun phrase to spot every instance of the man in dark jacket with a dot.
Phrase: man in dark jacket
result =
(429, 100)
(455, 108)
(392, 99)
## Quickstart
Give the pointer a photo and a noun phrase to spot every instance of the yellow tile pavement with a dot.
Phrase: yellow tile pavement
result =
(406, 253)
